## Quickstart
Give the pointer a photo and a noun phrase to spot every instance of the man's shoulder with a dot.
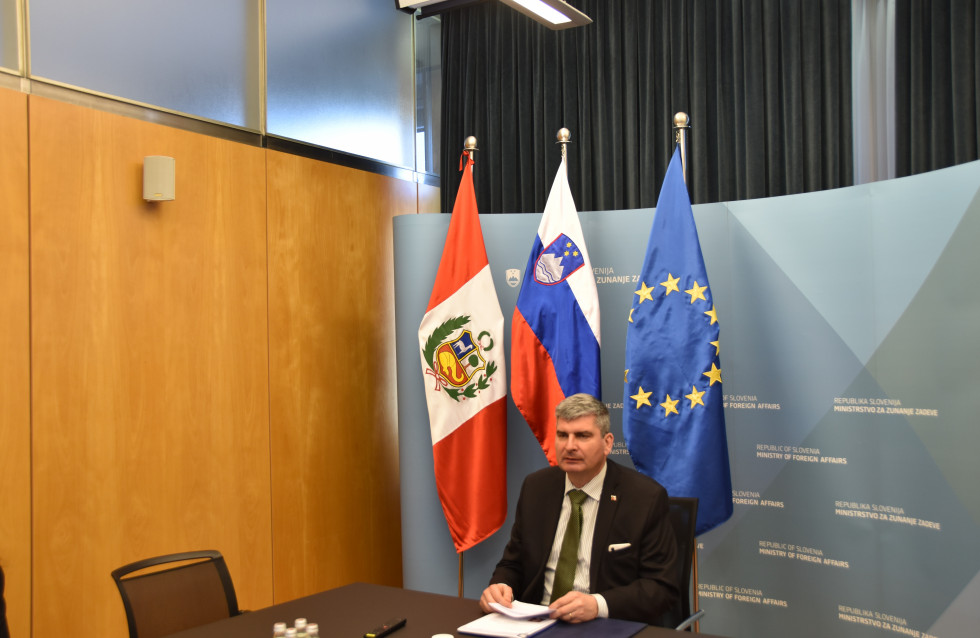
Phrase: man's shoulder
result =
(545, 475)
(624, 477)
(542, 484)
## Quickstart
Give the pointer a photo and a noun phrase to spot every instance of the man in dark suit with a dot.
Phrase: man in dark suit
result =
(626, 564)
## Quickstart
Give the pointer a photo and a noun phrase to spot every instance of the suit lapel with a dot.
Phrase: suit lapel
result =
(608, 505)
(545, 506)
(550, 510)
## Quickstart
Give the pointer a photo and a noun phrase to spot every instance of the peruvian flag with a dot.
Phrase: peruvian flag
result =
(462, 349)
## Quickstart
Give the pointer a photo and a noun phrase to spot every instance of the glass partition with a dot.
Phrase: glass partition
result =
(8, 35)
(341, 74)
(199, 58)
(428, 94)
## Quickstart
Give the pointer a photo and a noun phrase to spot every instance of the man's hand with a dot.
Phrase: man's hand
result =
(575, 607)
(496, 593)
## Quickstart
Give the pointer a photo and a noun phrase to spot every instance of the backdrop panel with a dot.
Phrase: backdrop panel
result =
(849, 359)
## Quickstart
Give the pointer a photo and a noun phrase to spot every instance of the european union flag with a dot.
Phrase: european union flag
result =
(673, 420)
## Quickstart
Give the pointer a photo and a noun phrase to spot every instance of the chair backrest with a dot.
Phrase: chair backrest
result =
(4, 631)
(191, 589)
(683, 516)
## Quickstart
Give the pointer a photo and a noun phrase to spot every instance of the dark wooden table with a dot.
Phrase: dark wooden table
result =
(349, 611)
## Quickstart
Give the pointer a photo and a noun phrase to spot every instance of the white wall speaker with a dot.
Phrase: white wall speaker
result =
(158, 178)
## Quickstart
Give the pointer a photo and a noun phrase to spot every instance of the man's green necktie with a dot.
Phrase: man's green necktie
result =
(568, 556)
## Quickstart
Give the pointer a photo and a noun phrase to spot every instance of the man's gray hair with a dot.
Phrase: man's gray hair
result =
(579, 405)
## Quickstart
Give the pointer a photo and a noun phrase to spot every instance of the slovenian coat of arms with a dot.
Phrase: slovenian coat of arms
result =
(455, 359)
(558, 261)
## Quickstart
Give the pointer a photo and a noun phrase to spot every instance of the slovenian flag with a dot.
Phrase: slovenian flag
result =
(673, 417)
(555, 327)
(461, 339)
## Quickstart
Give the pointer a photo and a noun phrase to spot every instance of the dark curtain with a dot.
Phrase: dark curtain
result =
(937, 84)
(766, 83)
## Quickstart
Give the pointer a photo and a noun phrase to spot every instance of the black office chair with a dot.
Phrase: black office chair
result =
(194, 589)
(4, 631)
(683, 517)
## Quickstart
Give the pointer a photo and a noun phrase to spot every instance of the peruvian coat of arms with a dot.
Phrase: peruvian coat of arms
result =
(455, 359)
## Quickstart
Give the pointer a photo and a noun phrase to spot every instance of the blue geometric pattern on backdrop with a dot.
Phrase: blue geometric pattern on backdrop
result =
(821, 243)
(928, 356)
(784, 348)
(931, 358)
(888, 564)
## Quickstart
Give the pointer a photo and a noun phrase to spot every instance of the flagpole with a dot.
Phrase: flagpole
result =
(459, 591)
(681, 126)
(469, 147)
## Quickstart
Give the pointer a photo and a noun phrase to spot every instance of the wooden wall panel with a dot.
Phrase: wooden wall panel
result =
(335, 488)
(15, 416)
(150, 361)
(430, 199)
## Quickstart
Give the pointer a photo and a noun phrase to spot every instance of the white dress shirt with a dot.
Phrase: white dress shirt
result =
(590, 508)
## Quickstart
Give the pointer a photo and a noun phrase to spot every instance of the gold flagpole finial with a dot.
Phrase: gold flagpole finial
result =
(681, 123)
(469, 145)
(564, 138)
